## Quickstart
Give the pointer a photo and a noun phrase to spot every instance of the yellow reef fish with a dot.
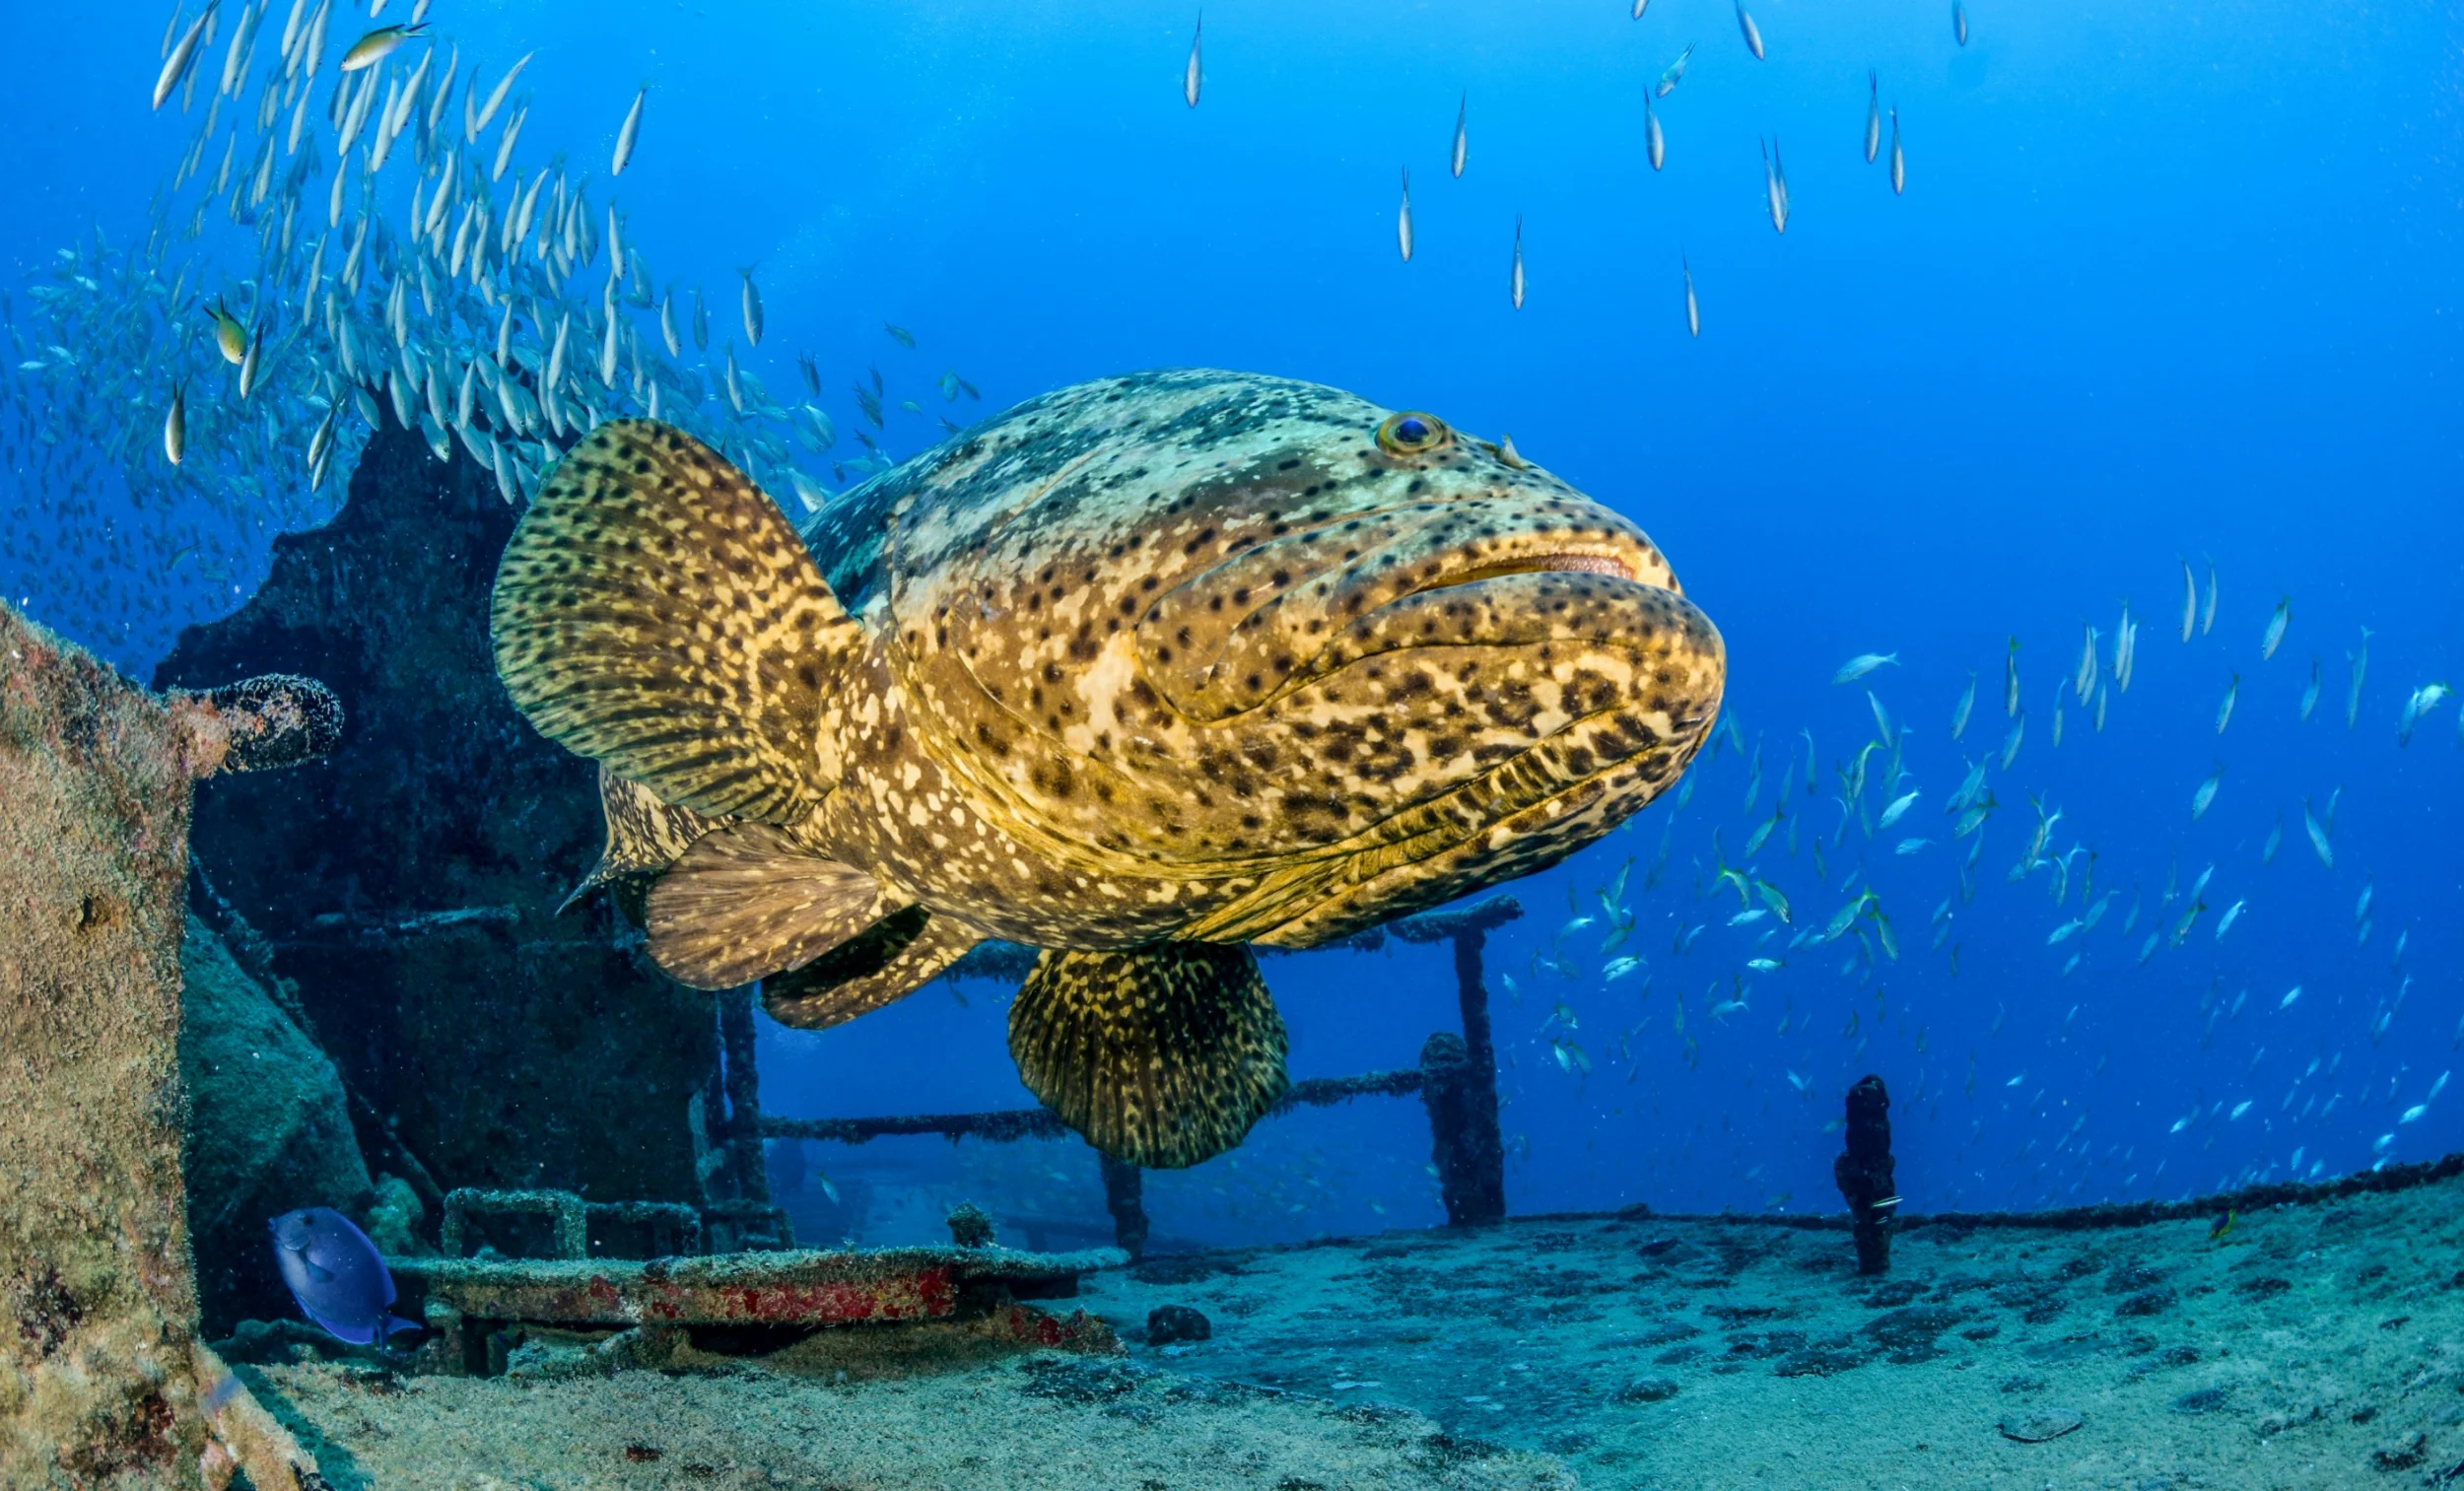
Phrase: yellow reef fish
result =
(377, 45)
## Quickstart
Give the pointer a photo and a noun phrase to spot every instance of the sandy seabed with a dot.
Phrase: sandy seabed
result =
(2312, 1345)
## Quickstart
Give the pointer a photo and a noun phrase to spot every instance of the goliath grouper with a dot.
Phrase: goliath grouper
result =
(1138, 673)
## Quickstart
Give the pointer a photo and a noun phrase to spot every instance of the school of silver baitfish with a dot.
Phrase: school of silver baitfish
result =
(461, 295)
(1764, 943)
(234, 371)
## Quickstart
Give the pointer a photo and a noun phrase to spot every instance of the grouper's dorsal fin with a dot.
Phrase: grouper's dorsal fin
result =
(1162, 1056)
(747, 901)
(642, 833)
(656, 611)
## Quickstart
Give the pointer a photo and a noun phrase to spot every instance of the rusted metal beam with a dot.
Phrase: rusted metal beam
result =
(858, 1287)
(1012, 1124)
(1001, 1127)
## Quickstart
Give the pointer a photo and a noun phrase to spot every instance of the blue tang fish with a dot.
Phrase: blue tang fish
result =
(337, 1275)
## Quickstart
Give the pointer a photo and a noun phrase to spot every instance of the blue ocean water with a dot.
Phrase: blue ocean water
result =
(2167, 284)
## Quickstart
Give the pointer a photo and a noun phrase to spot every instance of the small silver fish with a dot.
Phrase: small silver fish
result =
(1693, 308)
(2310, 696)
(176, 425)
(1462, 109)
(1518, 261)
(176, 65)
(1959, 21)
(1675, 75)
(1960, 712)
(752, 309)
(1862, 664)
(1873, 115)
(1753, 35)
(626, 134)
(2190, 600)
(496, 99)
(1190, 75)
(1402, 219)
(1898, 158)
(1654, 145)
(2224, 710)
(2360, 669)
(2417, 708)
(1775, 186)
(2274, 637)
(1898, 809)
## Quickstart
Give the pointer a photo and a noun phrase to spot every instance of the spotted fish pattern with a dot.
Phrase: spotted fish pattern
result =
(1178, 657)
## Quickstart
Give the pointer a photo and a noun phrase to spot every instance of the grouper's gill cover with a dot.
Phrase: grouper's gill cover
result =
(1211, 627)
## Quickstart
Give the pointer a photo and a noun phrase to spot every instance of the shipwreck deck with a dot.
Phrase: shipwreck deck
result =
(2318, 1343)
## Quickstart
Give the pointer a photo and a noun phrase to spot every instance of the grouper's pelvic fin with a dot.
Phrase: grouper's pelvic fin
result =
(642, 833)
(655, 611)
(746, 902)
(1162, 1056)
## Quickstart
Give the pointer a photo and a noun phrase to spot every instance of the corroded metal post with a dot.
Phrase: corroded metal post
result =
(1864, 1172)
(1124, 1198)
(1481, 1147)
(1459, 1072)
(743, 1129)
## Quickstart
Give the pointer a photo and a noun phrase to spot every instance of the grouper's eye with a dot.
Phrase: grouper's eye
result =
(1412, 432)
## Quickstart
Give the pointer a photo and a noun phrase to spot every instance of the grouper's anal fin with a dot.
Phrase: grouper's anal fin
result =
(886, 962)
(641, 834)
(746, 902)
(656, 611)
(1162, 1056)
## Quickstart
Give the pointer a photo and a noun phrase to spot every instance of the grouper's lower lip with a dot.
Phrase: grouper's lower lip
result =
(1537, 564)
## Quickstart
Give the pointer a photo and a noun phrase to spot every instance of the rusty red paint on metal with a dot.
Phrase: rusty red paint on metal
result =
(799, 1292)
(1030, 1327)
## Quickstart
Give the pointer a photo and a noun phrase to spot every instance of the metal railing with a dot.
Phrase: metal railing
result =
(1456, 1080)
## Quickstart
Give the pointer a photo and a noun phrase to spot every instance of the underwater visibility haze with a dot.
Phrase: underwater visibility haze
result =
(2054, 408)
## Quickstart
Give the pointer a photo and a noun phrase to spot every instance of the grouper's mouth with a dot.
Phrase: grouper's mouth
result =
(1253, 630)
(1560, 562)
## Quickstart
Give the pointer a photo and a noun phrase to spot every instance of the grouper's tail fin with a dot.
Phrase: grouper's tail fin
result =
(656, 611)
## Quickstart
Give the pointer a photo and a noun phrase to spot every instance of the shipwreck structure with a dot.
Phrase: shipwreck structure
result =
(105, 1376)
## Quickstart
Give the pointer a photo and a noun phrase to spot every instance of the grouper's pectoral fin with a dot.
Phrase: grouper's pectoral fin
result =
(887, 961)
(656, 611)
(1162, 1056)
(642, 833)
(747, 901)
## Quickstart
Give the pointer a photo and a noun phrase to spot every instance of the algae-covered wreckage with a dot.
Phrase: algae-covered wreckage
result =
(197, 1041)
